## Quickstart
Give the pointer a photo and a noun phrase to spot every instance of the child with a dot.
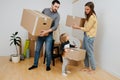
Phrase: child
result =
(65, 47)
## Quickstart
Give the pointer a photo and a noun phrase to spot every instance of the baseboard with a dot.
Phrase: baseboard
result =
(117, 75)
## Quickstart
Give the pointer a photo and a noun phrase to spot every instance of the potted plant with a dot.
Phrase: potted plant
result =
(16, 41)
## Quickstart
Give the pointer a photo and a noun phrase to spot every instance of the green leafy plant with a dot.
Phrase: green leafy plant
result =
(15, 40)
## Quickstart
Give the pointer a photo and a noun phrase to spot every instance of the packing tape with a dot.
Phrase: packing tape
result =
(35, 26)
(45, 18)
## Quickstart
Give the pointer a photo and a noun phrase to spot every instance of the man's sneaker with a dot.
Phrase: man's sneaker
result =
(32, 67)
(64, 74)
(48, 68)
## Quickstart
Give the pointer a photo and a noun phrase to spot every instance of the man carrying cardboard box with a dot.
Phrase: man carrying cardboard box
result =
(47, 35)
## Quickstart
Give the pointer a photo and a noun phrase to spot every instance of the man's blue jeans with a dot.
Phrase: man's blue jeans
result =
(88, 46)
(48, 47)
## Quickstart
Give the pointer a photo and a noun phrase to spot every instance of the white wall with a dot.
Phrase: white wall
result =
(108, 38)
(107, 44)
(10, 18)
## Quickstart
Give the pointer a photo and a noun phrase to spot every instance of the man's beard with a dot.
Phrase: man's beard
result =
(54, 10)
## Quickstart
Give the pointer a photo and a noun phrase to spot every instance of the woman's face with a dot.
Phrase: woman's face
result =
(87, 9)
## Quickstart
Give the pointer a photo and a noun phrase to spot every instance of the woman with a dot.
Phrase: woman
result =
(90, 28)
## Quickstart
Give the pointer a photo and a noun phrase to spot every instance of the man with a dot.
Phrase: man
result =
(47, 35)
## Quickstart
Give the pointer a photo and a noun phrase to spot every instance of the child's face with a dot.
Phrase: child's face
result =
(67, 38)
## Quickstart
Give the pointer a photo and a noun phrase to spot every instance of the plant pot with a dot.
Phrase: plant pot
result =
(15, 59)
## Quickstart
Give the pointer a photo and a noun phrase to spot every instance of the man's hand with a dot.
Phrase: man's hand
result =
(44, 33)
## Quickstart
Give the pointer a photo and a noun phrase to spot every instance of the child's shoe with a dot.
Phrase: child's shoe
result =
(68, 72)
(64, 74)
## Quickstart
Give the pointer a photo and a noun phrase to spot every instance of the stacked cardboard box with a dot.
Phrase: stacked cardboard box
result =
(75, 20)
(31, 37)
(32, 45)
(34, 21)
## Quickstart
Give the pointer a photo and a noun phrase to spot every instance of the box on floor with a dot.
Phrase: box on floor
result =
(32, 45)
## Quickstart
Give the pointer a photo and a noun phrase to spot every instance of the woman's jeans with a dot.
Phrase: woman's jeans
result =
(48, 47)
(88, 46)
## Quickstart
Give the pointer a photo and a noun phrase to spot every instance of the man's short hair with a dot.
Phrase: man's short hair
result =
(55, 1)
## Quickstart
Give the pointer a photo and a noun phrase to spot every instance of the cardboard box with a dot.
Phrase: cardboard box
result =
(76, 54)
(76, 63)
(32, 48)
(34, 21)
(75, 20)
(73, 63)
(32, 45)
(31, 37)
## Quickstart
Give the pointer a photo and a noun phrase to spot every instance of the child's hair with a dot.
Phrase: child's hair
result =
(63, 37)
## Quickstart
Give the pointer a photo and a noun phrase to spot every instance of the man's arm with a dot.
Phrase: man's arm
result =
(54, 27)
(56, 23)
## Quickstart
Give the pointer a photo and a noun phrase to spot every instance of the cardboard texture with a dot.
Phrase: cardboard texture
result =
(34, 21)
(76, 63)
(32, 45)
(75, 20)
(76, 54)
(31, 37)
(32, 48)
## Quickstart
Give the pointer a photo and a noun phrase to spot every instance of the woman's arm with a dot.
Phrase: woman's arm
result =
(90, 24)
(76, 26)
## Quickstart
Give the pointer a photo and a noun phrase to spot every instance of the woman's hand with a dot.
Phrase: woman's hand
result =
(75, 26)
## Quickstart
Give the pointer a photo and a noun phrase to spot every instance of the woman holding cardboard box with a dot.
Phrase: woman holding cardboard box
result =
(90, 29)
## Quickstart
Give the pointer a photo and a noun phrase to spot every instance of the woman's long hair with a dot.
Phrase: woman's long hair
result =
(91, 6)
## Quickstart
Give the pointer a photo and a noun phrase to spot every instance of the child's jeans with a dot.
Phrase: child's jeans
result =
(64, 65)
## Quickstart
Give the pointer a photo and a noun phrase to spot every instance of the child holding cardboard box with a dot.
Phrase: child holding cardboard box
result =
(65, 48)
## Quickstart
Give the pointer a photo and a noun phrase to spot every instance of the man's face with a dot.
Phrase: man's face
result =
(55, 7)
